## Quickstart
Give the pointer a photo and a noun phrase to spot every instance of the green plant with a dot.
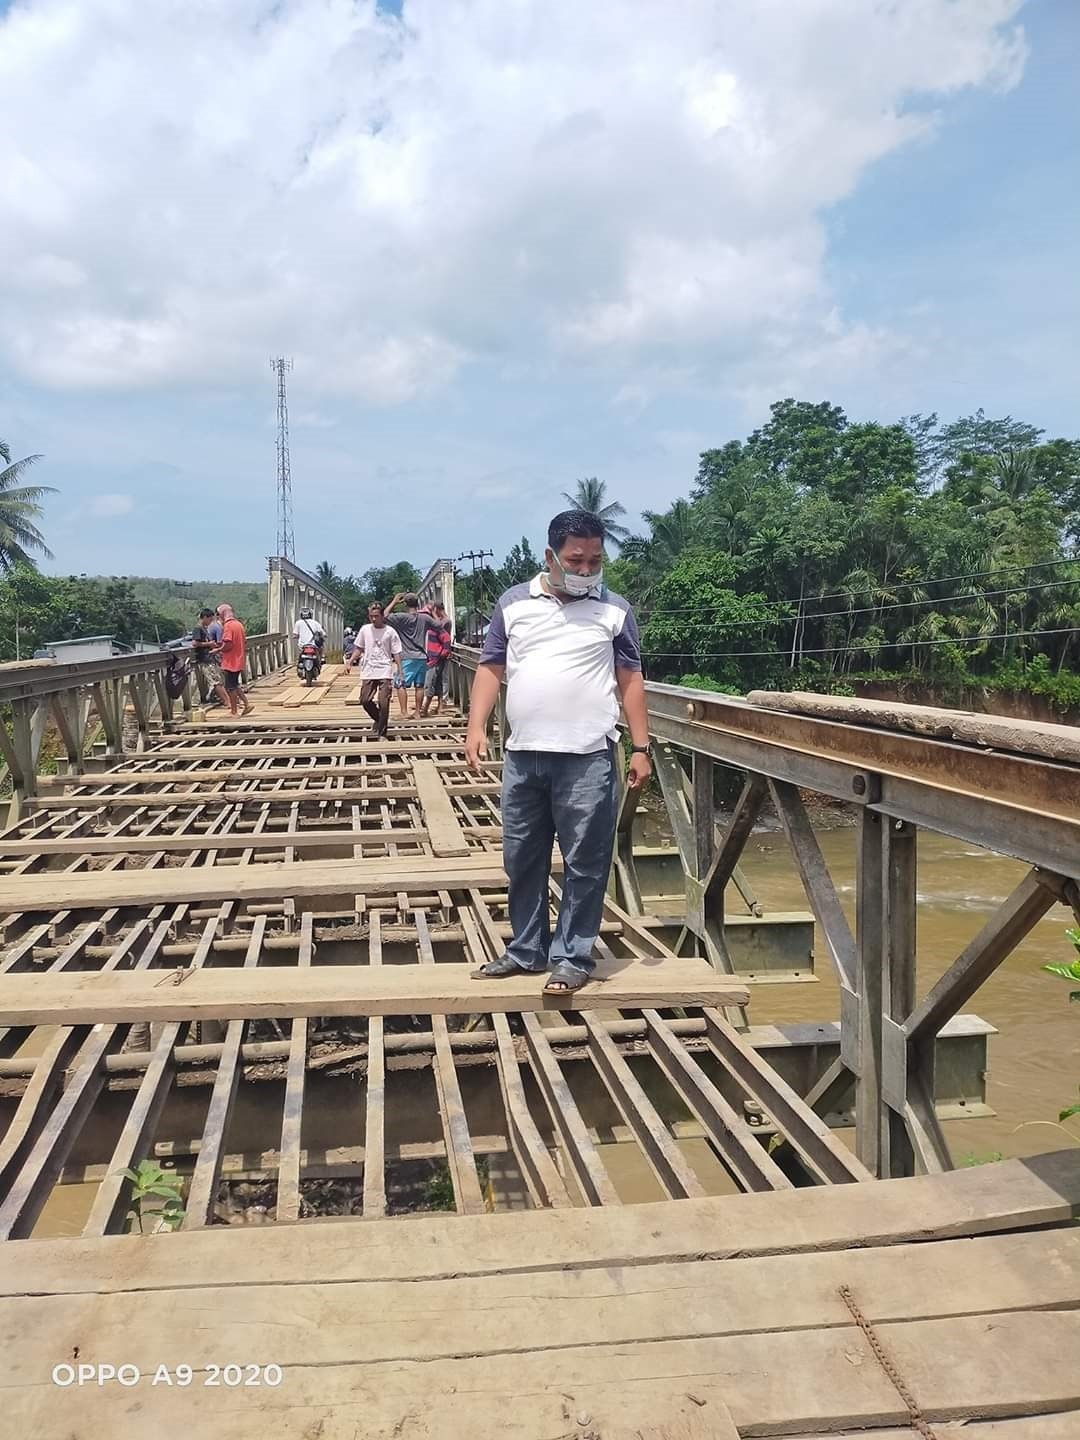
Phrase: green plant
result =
(1072, 971)
(972, 1159)
(150, 1182)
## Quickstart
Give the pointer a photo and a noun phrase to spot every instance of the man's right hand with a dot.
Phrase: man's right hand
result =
(476, 751)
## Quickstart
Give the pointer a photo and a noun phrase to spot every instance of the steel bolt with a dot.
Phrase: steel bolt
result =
(859, 784)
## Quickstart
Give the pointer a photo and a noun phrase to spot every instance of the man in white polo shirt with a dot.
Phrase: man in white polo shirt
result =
(568, 649)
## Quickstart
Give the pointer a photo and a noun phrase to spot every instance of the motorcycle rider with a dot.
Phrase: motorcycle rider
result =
(308, 631)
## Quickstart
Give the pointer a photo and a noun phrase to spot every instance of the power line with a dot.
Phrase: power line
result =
(846, 649)
(887, 590)
(958, 599)
(286, 544)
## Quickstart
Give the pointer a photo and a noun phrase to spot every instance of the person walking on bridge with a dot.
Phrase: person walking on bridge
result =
(568, 650)
(233, 656)
(378, 647)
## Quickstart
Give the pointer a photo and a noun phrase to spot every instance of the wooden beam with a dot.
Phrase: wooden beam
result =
(239, 840)
(742, 1152)
(288, 1191)
(1041, 1190)
(459, 1151)
(90, 998)
(443, 829)
(583, 1156)
(375, 1095)
(657, 1143)
(203, 1189)
(311, 749)
(827, 1156)
(201, 796)
(97, 890)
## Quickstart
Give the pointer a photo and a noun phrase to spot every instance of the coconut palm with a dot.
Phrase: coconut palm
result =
(590, 495)
(20, 509)
(326, 575)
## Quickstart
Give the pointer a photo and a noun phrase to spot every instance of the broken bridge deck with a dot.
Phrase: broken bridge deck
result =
(192, 923)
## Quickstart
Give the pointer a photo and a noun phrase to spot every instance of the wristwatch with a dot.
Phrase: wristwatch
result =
(639, 749)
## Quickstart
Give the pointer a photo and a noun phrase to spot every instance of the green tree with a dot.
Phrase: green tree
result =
(20, 510)
(591, 495)
(383, 583)
(326, 575)
(520, 565)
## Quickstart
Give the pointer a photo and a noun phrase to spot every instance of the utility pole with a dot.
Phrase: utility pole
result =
(286, 545)
(477, 558)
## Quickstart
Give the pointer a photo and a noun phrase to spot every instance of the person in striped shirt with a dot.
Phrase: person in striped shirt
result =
(438, 653)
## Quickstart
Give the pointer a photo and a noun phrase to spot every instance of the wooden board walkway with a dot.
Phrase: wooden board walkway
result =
(709, 1318)
(104, 889)
(346, 983)
(116, 996)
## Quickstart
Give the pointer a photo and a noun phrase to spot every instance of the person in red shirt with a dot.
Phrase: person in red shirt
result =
(233, 655)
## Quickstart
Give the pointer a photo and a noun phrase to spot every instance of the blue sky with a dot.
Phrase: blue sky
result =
(507, 249)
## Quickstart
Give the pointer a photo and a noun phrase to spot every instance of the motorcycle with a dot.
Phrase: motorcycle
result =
(309, 663)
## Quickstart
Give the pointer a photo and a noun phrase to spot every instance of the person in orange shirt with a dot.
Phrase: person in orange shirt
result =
(233, 655)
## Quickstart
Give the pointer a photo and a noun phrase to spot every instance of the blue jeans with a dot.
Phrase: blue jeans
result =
(574, 797)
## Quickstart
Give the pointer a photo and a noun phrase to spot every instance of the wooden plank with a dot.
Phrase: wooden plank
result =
(657, 1143)
(825, 1154)
(54, 1139)
(89, 997)
(189, 844)
(422, 1321)
(593, 1179)
(375, 1095)
(96, 890)
(232, 797)
(135, 1141)
(37, 1101)
(980, 1200)
(968, 1367)
(444, 831)
(741, 1150)
(311, 749)
(288, 1191)
(459, 1152)
(202, 1191)
(544, 1182)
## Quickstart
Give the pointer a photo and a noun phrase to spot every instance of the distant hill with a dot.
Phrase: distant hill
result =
(185, 598)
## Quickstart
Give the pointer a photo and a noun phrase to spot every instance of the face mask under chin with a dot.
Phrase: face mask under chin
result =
(577, 586)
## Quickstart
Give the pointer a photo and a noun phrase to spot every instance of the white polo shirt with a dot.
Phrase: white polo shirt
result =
(560, 660)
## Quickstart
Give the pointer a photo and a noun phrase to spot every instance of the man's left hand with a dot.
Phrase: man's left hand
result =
(639, 771)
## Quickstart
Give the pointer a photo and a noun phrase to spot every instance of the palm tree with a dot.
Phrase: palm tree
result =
(673, 532)
(326, 575)
(590, 495)
(20, 508)
(1014, 474)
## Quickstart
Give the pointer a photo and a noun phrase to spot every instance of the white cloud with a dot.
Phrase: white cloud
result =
(107, 507)
(185, 189)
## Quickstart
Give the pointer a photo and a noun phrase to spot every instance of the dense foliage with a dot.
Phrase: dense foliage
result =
(357, 592)
(37, 609)
(820, 548)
